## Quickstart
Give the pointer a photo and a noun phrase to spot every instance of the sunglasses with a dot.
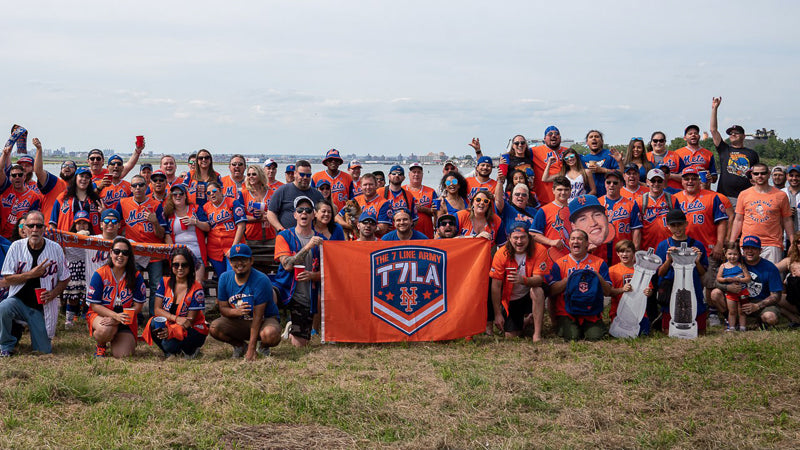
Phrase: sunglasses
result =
(447, 223)
(485, 201)
(325, 187)
(305, 209)
(612, 183)
(519, 142)
(637, 139)
(95, 158)
(304, 175)
(657, 180)
(659, 141)
(119, 251)
(17, 175)
(71, 165)
(252, 174)
(369, 222)
(158, 179)
(569, 157)
(34, 226)
(520, 194)
(178, 193)
(760, 173)
(137, 185)
(237, 164)
(110, 221)
(452, 182)
(115, 163)
(212, 191)
(203, 158)
(180, 265)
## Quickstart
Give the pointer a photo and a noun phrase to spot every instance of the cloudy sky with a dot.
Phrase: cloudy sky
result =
(384, 77)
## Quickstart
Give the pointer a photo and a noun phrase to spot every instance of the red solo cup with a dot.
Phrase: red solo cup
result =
(130, 313)
(502, 169)
(39, 292)
(108, 177)
(510, 271)
(139, 141)
(184, 223)
(298, 270)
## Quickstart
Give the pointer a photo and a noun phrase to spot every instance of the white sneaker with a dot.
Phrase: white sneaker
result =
(713, 320)
(238, 352)
(285, 334)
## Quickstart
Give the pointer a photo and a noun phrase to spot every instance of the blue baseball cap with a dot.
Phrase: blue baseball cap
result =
(110, 212)
(81, 215)
(290, 168)
(366, 215)
(486, 159)
(82, 169)
(551, 128)
(114, 158)
(397, 168)
(751, 241)
(582, 202)
(794, 167)
(145, 166)
(25, 159)
(180, 186)
(321, 182)
(240, 251)
(519, 226)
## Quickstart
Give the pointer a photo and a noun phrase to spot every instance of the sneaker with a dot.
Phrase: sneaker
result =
(5, 354)
(100, 352)
(286, 329)
(730, 329)
(713, 320)
(193, 355)
(263, 351)
(238, 352)
(743, 328)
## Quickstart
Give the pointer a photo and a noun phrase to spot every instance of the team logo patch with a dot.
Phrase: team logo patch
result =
(583, 287)
(408, 286)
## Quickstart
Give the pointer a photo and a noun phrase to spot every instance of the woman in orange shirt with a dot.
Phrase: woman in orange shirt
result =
(227, 220)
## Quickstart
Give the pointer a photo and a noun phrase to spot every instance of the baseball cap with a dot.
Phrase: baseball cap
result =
(82, 169)
(321, 182)
(691, 170)
(354, 163)
(793, 167)
(180, 186)
(240, 251)
(551, 128)
(270, 162)
(732, 128)
(631, 166)
(691, 127)
(450, 162)
(97, 151)
(582, 202)
(115, 158)
(301, 199)
(656, 173)
(110, 212)
(675, 216)
(81, 215)
(751, 241)
(397, 168)
(290, 168)
(366, 215)
(158, 173)
(485, 159)
(25, 159)
(332, 154)
(415, 165)
(145, 166)
(444, 217)
(614, 173)
(519, 225)
(774, 169)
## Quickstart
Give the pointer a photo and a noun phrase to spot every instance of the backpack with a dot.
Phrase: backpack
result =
(583, 295)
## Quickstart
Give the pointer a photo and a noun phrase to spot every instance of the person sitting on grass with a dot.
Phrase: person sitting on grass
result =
(246, 302)
(181, 300)
(115, 287)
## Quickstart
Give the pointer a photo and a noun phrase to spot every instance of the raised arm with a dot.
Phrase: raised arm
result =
(713, 127)
(38, 163)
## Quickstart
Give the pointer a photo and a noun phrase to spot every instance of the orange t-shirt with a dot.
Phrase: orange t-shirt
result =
(541, 153)
(764, 214)
(256, 230)
(424, 197)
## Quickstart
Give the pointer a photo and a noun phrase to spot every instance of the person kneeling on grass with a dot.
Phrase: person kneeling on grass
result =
(180, 299)
(246, 302)
(114, 288)
(299, 246)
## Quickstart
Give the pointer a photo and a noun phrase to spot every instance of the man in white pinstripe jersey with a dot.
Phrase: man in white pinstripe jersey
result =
(31, 264)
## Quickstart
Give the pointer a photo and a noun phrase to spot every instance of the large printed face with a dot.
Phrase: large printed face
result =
(594, 222)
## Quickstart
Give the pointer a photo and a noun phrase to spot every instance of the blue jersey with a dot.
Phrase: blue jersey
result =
(392, 236)
(766, 279)
(258, 286)
(603, 159)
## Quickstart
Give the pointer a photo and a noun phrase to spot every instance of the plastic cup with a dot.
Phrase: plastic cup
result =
(158, 323)
(436, 203)
(298, 270)
(39, 292)
(257, 206)
(108, 177)
(130, 313)
(249, 301)
(139, 141)
(510, 271)
(502, 169)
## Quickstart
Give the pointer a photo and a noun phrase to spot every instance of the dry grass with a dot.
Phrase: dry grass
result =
(723, 390)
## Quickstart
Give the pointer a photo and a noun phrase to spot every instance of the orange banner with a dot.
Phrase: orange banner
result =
(425, 290)
(69, 239)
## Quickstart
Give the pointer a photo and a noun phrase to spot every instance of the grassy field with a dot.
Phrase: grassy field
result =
(721, 391)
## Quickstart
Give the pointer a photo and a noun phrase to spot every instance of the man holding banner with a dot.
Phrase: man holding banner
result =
(298, 276)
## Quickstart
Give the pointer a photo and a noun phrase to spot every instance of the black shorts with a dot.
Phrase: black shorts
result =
(301, 320)
(517, 310)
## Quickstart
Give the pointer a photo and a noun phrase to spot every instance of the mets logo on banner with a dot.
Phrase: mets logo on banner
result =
(408, 286)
